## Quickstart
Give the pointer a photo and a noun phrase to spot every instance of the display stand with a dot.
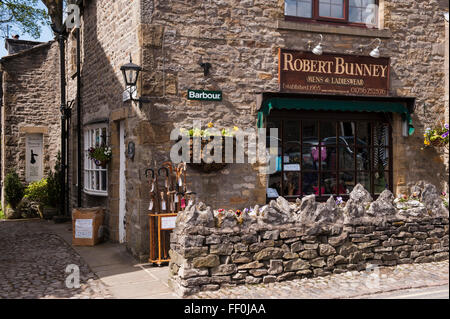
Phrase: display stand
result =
(161, 226)
(168, 196)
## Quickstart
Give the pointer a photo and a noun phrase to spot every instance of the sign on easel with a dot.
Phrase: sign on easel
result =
(34, 157)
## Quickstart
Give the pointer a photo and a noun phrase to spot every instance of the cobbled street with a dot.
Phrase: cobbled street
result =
(33, 265)
(33, 261)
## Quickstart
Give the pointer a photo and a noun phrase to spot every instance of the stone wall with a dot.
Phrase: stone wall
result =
(30, 105)
(282, 240)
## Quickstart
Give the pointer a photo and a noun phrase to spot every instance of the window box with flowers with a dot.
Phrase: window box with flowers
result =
(437, 136)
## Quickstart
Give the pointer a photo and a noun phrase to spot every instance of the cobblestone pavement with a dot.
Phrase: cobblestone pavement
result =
(33, 263)
(346, 285)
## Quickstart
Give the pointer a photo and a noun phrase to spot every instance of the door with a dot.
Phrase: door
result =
(122, 188)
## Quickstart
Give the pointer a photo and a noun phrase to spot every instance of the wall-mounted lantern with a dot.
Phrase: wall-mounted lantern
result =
(130, 73)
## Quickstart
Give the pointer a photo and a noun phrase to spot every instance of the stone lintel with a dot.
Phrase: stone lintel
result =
(33, 129)
(119, 114)
(342, 30)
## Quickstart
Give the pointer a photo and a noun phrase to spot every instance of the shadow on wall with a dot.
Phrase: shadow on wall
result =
(101, 93)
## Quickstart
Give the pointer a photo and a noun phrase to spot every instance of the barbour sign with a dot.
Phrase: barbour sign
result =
(201, 95)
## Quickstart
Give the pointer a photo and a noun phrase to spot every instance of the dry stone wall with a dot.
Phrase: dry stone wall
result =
(283, 240)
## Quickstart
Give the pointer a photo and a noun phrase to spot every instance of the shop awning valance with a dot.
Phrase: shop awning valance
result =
(333, 105)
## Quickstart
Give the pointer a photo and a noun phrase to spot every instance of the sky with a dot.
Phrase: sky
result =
(46, 35)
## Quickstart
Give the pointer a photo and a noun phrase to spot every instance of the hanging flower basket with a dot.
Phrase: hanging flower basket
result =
(436, 137)
(103, 164)
(205, 137)
(101, 155)
(203, 166)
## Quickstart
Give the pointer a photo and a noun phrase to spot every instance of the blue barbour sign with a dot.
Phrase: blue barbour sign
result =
(202, 95)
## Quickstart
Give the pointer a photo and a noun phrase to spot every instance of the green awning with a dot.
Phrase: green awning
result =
(333, 105)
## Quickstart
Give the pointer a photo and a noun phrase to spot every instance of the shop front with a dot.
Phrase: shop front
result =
(335, 125)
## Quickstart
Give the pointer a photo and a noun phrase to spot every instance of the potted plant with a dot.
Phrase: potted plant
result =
(437, 136)
(101, 155)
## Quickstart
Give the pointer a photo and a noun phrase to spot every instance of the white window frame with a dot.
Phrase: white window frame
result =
(93, 174)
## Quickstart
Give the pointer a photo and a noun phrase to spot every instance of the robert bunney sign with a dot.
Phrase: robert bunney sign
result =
(333, 73)
(202, 95)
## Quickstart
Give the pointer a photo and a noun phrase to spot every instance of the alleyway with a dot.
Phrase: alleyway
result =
(34, 255)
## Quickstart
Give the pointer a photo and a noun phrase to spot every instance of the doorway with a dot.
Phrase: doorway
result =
(122, 182)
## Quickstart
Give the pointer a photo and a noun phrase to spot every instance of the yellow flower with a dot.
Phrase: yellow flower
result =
(426, 142)
(235, 128)
(210, 124)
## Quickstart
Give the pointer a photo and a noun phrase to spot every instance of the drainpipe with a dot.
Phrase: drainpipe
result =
(80, 189)
(61, 38)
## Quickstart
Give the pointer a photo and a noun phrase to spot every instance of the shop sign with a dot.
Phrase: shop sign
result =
(306, 72)
(202, 95)
(33, 157)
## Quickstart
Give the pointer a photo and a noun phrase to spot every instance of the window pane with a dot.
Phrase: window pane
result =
(292, 183)
(328, 133)
(346, 133)
(291, 131)
(364, 132)
(274, 186)
(364, 180)
(310, 132)
(381, 181)
(291, 156)
(347, 182)
(304, 8)
(103, 175)
(328, 182)
(381, 159)
(357, 10)
(310, 183)
(336, 11)
(346, 159)
(381, 134)
(331, 8)
(363, 159)
(330, 158)
(290, 7)
(355, 14)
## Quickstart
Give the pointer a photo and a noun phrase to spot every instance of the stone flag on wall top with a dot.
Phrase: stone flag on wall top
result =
(306, 72)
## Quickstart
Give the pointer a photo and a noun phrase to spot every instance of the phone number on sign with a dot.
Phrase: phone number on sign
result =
(368, 91)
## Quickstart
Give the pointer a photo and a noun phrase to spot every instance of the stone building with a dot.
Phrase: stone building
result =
(30, 120)
(256, 51)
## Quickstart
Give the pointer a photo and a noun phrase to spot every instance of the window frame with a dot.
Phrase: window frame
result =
(315, 18)
(324, 116)
(89, 165)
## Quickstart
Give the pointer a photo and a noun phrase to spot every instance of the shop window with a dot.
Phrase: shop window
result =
(354, 12)
(323, 154)
(95, 177)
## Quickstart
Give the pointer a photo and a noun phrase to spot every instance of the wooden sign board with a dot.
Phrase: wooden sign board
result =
(168, 222)
(306, 72)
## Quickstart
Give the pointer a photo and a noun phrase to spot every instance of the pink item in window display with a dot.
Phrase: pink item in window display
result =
(315, 153)
(316, 190)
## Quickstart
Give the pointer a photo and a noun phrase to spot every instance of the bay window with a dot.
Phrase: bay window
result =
(95, 177)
